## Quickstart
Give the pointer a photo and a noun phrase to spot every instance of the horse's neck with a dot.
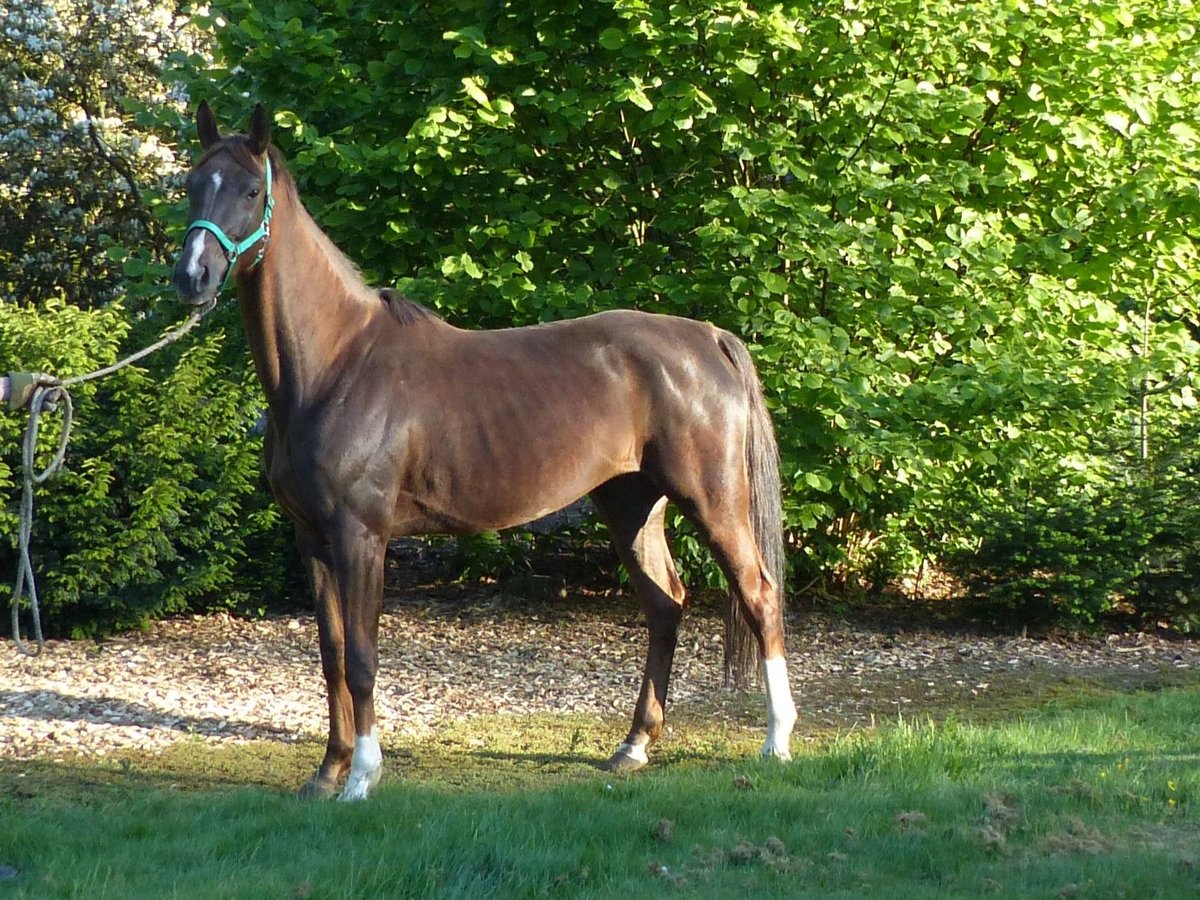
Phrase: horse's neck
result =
(299, 312)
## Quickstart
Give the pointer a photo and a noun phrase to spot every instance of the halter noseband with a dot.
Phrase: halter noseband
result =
(234, 251)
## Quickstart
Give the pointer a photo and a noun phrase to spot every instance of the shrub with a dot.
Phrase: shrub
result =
(1076, 554)
(159, 508)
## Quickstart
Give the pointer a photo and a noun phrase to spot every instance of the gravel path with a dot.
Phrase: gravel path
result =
(223, 679)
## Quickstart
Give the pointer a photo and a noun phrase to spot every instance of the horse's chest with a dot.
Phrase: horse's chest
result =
(294, 474)
(314, 476)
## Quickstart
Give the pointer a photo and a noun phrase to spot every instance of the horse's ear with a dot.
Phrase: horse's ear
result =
(206, 126)
(260, 130)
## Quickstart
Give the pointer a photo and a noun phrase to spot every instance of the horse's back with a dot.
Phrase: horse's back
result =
(513, 423)
(631, 345)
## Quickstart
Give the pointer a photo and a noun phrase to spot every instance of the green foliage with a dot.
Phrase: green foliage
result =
(159, 508)
(957, 236)
(959, 239)
(1123, 542)
(1064, 555)
(490, 554)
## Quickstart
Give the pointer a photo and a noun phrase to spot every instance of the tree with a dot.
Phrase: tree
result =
(958, 235)
(78, 176)
(158, 508)
(959, 238)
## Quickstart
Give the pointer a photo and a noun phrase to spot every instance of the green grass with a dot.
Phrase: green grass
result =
(1091, 797)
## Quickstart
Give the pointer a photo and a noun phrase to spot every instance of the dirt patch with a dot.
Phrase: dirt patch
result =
(451, 652)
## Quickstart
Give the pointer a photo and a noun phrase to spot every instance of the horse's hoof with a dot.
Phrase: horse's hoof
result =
(358, 785)
(317, 788)
(778, 754)
(623, 761)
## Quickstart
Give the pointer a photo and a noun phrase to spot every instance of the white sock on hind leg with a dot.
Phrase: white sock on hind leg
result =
(781, 709)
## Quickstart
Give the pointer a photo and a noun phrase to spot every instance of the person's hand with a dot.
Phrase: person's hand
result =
(22, 385)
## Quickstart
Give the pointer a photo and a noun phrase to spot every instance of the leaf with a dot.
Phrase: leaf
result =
(1184, 133)
(1117, 120)
(612, 39)
(635, 94)
(818, 482)
(470, 266)
(1026, 170)
(471, 84)
(774, 282)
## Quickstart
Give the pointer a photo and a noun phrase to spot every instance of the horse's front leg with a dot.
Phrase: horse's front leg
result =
(360, 576)
(346, 572)
(314, 553)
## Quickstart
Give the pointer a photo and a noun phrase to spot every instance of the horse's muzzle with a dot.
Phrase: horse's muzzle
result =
(198, 273)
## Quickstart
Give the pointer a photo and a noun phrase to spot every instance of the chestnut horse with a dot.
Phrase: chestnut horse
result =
(384, 420)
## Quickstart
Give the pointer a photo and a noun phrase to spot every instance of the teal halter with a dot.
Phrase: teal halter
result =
(234, 251)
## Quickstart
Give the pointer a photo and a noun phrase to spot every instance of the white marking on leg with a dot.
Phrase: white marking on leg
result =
(636, 751)
(781, 709)
(365, 767)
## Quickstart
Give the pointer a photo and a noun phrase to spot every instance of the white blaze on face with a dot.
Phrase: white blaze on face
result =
(197, 235)
(781, 710)
(195, 239)
(365, 767)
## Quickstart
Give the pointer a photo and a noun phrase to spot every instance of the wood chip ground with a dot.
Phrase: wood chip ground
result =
(220, 678)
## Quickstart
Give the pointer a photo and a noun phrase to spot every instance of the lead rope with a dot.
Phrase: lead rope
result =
(53, 397)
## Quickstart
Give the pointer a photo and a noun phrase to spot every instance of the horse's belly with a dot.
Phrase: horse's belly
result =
(502, 493)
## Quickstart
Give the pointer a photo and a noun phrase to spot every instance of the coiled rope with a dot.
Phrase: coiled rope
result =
(48, 398)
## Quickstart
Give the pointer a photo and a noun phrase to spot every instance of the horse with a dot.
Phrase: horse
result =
(384, 420)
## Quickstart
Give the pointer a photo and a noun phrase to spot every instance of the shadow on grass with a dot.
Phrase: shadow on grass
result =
(40, 778)
(517, 754)
(539, 759)
(42, 705)
(187, 766)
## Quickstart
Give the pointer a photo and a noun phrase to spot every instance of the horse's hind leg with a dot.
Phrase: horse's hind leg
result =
(732, 541)
(634, 510)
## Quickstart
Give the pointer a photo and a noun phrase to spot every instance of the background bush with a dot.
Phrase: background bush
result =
(159, 508)
(957, 236)
(959, 239)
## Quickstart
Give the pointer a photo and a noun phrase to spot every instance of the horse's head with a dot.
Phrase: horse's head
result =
(230, 203)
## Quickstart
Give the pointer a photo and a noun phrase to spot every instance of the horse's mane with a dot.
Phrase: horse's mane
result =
(405, 311)
(238, 146)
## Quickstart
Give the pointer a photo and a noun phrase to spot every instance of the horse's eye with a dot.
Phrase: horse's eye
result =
(253, 193)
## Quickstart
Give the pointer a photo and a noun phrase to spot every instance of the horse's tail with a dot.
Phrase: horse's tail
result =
(742, 657)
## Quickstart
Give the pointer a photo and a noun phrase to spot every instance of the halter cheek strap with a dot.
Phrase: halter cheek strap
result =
(234, 251)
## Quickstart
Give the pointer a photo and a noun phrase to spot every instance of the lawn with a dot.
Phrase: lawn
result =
(1092, 796)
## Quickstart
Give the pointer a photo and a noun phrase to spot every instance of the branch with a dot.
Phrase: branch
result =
(122, 168)
(879, 112)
